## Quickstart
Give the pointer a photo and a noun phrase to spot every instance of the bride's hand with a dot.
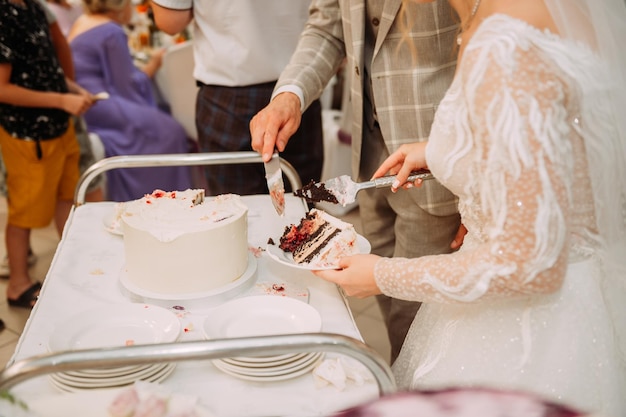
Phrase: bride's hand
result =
(356, 275)
(401, 163)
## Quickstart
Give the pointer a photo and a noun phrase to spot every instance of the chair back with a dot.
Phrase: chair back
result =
(177, 85)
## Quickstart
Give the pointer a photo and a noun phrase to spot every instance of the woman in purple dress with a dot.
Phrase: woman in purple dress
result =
(129, 122)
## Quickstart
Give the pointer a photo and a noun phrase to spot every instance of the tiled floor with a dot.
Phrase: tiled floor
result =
(44, 242)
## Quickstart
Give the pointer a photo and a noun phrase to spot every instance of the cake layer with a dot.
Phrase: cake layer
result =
(178, 243)
(319, 240)
(309, 249)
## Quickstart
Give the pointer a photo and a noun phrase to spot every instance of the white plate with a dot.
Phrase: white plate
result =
(117, 325)
(261, 315)
(246, 363)
(286, 258)
(107, 372)
(108, 381)
(271, 378)
(157, 375)
(81, 376)
(274, 371)
(265, 360)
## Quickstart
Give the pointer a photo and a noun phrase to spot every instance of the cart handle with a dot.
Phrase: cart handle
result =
(178, 159)
(204, 349)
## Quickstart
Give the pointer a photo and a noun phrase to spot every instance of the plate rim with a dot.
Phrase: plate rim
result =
(62, 334)
(284, 377)
(156, 376)
(246, 304)
(105, 372)
(296, 366)
(271, 362)
(98, 382)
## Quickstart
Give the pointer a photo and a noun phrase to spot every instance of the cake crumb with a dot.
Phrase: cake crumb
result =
(315, 193)
(256, 251)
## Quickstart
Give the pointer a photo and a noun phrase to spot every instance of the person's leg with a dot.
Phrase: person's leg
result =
(24, 196)
(61, 213)
(398, 226)
(4, 262)
(95, 195)
(34, 187)
(67, 158)
(5, 270)
(17, 239)
(378, 220)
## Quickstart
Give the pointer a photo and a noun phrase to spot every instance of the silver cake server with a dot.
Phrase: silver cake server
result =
(343, 190)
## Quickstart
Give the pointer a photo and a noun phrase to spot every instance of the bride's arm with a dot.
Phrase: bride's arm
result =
(519, 124)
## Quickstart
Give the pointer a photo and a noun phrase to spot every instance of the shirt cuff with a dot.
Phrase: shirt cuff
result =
(291, 89)
(175, 4)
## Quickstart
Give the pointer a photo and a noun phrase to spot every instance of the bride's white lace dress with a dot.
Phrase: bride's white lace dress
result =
(521, 305)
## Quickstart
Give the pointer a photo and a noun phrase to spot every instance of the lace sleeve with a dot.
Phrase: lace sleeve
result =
(522, 161)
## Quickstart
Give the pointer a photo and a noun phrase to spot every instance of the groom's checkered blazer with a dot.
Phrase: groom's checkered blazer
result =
(407, 86)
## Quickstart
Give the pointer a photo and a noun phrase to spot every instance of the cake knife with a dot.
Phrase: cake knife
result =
(274, 176)
(342, 190)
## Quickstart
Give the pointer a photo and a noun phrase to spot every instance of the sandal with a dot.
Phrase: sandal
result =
(28, 297)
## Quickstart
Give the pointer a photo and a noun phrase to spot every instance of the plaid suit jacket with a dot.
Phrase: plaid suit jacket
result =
(408, 78)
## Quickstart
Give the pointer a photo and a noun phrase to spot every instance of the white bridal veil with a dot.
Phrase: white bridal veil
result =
(601, 24)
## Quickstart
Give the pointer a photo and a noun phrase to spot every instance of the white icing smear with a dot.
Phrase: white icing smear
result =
(334, 221)
(167, 216)
(343, 188)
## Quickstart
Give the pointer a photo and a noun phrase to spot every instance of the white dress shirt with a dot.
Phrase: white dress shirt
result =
(242, 42)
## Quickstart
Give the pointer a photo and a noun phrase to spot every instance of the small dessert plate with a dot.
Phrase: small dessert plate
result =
(261, 315)
(286, 258)
(120, 325)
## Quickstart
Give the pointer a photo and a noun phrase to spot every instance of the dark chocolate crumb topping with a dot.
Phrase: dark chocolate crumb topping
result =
(315, 192)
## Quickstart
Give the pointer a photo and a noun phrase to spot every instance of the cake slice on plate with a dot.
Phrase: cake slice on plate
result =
(319, 240)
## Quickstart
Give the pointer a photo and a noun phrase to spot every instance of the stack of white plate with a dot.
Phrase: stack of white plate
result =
(124, 325)
(110, 377)
(272, 368)
(258, 316)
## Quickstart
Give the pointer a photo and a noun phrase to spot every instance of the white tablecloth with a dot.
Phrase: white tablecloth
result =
(85, 273)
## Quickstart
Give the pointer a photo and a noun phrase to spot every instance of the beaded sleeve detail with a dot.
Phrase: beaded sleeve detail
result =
(514, 157)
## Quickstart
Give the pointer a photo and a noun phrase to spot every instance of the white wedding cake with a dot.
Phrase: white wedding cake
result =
(179, 243)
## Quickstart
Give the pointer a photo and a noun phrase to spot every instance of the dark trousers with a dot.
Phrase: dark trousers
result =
(223, 120)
